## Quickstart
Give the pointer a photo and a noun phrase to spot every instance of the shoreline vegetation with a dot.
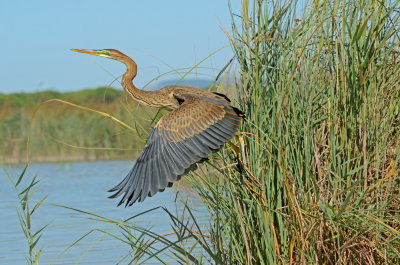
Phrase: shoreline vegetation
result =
(59, 132)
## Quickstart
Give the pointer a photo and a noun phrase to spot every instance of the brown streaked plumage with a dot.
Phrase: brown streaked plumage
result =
(199, 123)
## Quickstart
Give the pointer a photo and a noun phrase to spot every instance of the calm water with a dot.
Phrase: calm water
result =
(80, 185)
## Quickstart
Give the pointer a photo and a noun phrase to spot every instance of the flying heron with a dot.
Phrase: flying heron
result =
(199, 123)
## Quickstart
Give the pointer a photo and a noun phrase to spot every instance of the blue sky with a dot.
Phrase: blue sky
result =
(36, 37)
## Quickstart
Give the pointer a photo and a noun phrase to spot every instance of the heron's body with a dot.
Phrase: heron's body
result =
(168, 97)
(199, 123)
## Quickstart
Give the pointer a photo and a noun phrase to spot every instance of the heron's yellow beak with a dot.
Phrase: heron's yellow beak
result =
(102, 53)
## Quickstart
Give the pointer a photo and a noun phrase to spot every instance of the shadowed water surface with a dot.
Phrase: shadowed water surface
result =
(81, 185)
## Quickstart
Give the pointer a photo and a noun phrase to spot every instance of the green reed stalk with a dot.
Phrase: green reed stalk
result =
(25, 214)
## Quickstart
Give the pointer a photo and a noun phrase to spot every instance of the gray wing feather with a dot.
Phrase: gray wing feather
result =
(162, 162)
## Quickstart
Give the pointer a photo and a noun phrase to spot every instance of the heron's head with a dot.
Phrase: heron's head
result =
(107, 53)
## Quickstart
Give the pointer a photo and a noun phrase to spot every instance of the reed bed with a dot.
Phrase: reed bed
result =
(314, 176)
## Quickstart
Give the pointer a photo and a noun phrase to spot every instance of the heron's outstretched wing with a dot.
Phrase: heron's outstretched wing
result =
(181, 138)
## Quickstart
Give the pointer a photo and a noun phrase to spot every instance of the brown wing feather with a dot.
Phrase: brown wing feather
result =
(180, 139)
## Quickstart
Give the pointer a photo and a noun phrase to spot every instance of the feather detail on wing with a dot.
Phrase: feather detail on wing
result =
(180, 139)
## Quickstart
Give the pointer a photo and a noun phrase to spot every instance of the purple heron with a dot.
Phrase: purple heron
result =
(199, 123)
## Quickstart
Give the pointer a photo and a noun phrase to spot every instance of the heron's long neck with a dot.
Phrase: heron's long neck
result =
(143, 97)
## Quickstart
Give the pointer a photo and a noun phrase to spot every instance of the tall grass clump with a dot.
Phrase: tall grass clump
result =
(314, 176)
